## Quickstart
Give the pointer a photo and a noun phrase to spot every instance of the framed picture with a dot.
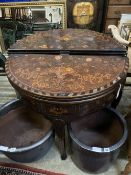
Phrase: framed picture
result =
(19, 19)
(14, 1)
(86, 14)
(40, 12)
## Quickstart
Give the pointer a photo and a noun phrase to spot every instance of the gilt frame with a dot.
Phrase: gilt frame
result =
(61, 3)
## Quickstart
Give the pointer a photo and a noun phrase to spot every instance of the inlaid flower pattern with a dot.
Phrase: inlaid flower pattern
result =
(74, 39)
(65, 73)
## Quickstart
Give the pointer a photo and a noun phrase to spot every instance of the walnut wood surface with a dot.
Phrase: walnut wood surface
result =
(116, 11)
(68, 39)
(119, 2)
(67, 79)
(65, 75)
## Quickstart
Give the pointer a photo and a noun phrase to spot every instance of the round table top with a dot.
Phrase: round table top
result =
(65, 76)
(67, 39)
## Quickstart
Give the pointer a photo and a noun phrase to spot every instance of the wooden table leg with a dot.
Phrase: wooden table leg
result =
(59, 126)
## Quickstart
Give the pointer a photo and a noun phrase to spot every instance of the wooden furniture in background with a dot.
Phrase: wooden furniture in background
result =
(114, 10)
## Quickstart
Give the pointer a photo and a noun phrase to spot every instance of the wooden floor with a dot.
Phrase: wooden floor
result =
(7, 92)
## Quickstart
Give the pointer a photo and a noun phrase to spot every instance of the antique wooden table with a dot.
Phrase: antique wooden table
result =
(67, 74)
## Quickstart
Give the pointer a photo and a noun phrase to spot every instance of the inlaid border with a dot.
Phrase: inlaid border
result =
(27, 88)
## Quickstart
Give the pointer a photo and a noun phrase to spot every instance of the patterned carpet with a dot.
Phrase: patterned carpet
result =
(18, 169)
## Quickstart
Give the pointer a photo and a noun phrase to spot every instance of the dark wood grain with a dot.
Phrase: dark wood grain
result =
(68, 39)
(65, 75)
(119, 2)
(116, 11)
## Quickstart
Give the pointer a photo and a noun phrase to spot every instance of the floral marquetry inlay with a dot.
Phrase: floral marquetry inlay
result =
(65, 74)
(72, 39)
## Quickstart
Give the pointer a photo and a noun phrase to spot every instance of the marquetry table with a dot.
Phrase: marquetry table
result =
(67, 74)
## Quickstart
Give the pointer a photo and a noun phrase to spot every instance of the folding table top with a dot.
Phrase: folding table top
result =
(65, 75)
(70, 41)
(66, 63)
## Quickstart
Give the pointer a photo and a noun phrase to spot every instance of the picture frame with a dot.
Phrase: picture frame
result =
(19, 19)
(2, 44)
(86, 14)
(60, 5)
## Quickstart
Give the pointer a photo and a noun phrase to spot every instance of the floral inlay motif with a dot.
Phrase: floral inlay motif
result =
(77, 39)
(65, 73)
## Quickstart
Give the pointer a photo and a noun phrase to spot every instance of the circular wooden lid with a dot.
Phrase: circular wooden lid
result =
(68, 39)
(65, 75)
